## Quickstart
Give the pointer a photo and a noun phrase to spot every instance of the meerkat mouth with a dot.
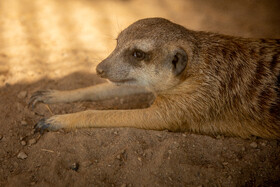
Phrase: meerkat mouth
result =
(124, 81)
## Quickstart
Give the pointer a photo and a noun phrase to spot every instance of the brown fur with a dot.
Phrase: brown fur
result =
(230, 85)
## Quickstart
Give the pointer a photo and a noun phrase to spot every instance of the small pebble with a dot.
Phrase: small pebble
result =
(74, 166)
(123, 185)
(22, 155)
(86, 163)
(1, 136)
(33, 183)
(31, 141)
(118, 157)
(140, 159)
(225, 163)
(23, 123)
(243, 149)
(263, 144)
(23, 142)
(22, 94)
(254, 145)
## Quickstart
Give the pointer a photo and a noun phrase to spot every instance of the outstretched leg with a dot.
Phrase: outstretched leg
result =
(150, 118)
(92, 93)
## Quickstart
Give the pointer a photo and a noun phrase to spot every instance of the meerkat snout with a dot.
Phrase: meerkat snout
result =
(100, 71)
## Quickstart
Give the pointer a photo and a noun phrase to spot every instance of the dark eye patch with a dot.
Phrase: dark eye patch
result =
(134, 56)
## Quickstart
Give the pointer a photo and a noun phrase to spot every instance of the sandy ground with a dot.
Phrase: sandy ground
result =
(57, 45)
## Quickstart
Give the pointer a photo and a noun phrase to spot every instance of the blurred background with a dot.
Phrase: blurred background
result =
(51, 38)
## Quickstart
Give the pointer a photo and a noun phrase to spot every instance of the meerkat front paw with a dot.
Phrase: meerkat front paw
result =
(53, 123)
(42, 96)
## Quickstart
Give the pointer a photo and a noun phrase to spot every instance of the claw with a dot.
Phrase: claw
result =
(42, 126)
(37, 97)
(32, 102)
(46, 124)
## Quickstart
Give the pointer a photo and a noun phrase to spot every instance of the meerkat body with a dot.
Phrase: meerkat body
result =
(203, 82)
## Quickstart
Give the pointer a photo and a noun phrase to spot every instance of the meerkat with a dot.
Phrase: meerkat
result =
(203, 82)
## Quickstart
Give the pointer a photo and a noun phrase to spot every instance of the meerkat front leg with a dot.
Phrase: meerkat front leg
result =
(92, 93)
(150, 118)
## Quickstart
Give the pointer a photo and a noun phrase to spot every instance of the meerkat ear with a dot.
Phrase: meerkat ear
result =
(179, 61)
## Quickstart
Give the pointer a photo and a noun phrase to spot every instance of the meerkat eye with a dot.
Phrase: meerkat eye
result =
(175, 60)
(139, 55)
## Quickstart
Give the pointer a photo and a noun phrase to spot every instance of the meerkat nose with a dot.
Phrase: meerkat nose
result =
(100, 72)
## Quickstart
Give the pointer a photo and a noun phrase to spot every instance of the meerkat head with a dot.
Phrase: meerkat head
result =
(150, 53)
